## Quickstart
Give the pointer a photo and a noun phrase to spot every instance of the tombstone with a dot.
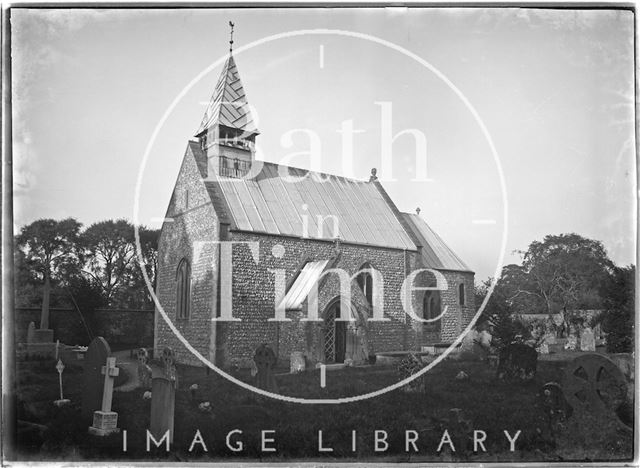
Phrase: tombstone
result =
(62, 401)
(550, 338)
(105, 421)
(163, 401)
(144, 370)
(587, 340)
(31, 332)
(93, 379)
(168, 358)
(297, 362)
(572, 343)
(470, 348)
(265, 360)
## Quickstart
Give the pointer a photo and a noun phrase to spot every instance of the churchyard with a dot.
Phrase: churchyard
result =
(118, 406)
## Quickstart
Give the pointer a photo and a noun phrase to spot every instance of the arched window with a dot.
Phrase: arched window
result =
(430, 306)
(461, 294)
(365, 281)
(183, 289)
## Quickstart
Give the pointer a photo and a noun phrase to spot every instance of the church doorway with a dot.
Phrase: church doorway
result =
(335, 335)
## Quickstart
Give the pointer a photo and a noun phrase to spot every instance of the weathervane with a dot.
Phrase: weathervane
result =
(231, 40)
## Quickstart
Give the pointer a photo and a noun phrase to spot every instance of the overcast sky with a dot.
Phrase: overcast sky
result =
(554, 89)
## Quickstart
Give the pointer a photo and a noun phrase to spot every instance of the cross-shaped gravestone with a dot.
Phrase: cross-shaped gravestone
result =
(168, 357)
(265, 360)
(62, 401)
(105, 421)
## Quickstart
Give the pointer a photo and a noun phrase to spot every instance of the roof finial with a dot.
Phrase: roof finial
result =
(373, 176)
(418, 210)
(231, 37)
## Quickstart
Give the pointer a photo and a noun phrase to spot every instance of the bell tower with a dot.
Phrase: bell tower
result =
(227, 133)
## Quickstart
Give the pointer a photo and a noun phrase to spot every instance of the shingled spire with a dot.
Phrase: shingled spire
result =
(227, 129)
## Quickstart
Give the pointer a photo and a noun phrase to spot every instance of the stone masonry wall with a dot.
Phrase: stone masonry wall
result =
(254, 297)
(194, 222)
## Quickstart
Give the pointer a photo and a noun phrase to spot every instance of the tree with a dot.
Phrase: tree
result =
(566, 271)
(110, 255)
(50, 248)
(618, 316)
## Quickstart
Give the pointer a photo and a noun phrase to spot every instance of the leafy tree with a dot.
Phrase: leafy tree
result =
(110, 255)
(50, 249)
(564, 271)
(618, 317)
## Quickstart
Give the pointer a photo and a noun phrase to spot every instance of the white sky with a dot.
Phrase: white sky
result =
(553, 87)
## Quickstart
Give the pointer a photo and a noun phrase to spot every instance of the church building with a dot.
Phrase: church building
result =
(317, 264)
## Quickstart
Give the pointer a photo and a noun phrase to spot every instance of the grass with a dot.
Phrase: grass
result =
(488, 404)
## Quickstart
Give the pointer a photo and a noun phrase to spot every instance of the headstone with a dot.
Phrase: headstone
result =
(265, 360)
(31, 332)
(168, 358)
(572, 343)
(144, 370)
(93, 379)
(163, 401)
(105, 421)
(62, 401)
(587, 340)
(550, 338)
(470, 348)
(297, 362)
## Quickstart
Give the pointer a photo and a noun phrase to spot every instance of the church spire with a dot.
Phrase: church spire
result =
(227, 129)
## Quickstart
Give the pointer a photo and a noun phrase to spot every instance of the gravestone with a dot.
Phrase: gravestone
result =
(297, 362)
(62, 400)
(105, 421)
(168, 358)
(572, 343)
(587, 340)
(470, 348)
(163, 401)
(31, 332)
(265, 360)
(93, 379)
(144, 370)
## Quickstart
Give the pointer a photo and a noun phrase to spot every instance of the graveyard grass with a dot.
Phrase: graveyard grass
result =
(489, 404)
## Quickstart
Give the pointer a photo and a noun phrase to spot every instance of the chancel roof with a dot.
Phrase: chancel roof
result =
(435, 253)
(228, 105)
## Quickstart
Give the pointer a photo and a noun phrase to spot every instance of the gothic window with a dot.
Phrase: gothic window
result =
(365, 281)
(461, 294)
(183, 289)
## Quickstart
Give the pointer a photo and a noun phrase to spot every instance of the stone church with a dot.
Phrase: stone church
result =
(294, 231)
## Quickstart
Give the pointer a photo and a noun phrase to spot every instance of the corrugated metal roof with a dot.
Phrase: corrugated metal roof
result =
(228, 105)
(269, 204)
(301, 287)
(435, 253)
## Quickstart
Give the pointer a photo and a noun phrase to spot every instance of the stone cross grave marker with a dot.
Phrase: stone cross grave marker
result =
(144, 371)
(587, 340)
(163, 401)
(62, 401)
(168, 357)
(31, 332)
(93, 379)
(105, 421)
(265, 360)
